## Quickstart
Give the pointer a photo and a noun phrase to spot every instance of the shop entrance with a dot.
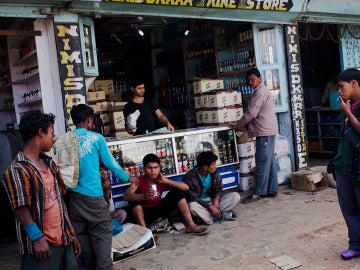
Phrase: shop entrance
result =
(320, 61)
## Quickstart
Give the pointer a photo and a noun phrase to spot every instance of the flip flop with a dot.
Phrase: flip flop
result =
(199, 230)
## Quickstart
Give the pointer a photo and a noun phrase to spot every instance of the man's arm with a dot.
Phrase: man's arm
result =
(41, 246)
(171, 183)
(131, 195)
(164, 119)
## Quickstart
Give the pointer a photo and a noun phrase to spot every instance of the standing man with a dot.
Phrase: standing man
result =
(145, 110)
(88, 208)
(34, 186)
(347, 159)
(146, 203)
(205, 197)
(260, 122)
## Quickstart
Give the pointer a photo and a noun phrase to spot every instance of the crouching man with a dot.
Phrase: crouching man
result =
(205, 197)
(145, 197)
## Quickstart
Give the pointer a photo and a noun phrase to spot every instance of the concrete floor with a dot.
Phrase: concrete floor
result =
(306, 226)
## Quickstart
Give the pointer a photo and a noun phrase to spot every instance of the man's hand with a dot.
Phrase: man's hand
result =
(133, 180)
(215, 212)
(41, 249)
(170, 127)
(76, 246)
(161, 179)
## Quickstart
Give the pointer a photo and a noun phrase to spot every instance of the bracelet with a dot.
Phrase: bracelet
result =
(33, 231)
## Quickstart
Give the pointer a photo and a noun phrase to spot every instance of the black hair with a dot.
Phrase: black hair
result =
(32, 121)
(349, 75)
(254, 71)
(80, 113)
(206, 158)
(151, 158)
(135, 83)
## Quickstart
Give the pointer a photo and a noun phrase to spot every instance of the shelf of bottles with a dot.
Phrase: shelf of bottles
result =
(174, 96)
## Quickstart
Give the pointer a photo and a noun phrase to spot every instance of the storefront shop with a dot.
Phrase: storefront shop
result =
(97, 45)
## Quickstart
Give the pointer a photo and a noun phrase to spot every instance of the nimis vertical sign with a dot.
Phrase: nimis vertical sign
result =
(297, 95)
(70, 68)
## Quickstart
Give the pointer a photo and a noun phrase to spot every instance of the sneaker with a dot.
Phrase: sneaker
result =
(229, 215)
(349, 254)
(160, 225)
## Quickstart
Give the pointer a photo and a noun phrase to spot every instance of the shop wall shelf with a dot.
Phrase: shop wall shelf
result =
(31, 78)
(29, 103)
(27, 59)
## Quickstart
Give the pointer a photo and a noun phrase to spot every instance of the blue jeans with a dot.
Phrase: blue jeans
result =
(266, 176)
(62, 258)
(349, 201)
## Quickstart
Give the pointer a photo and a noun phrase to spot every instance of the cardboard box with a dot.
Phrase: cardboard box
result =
(91, 87)
(246, 149)
(117, 120)
(204, 101)
(95, 107)
(308, 180)
(105, 85)
(118, 106)
(216, 99)
(122, 134)
(105, 106)
(199, 117)
(235, 113)
(105, 117)
(242, 137)
(246, 182)
(197, 101)
(206, 85)
(247, 165)
(115, 96)
(95, 96)
(234, 98)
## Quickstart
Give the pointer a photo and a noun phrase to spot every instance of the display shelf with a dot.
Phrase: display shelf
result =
(177, 152)
(234, 72)
(29, 103)
(323, 129)
(31, 78)
(27, 59)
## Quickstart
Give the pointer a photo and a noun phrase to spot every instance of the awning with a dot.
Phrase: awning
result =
(271, 11)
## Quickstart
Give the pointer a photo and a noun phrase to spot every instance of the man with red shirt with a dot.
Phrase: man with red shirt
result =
(146, 202)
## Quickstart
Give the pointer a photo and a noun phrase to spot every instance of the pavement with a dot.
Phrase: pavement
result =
(305, 227)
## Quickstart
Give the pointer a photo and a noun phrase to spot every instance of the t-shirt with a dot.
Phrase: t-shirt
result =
(206, 182)
(92, 149)
(52, 218)
(147, 118)
(144, 187)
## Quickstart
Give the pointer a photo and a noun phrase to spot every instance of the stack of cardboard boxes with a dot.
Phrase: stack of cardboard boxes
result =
(215, 105)
(102, 98)
(246, 153)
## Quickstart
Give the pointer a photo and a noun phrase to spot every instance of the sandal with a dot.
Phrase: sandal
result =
(156, 237)
(229, 215)
(199, 230)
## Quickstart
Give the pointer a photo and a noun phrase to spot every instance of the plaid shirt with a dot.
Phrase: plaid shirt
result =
(24, 187)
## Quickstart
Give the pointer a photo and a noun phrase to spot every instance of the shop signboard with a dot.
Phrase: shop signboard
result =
(267, 5)
(71, 68)
(297, 95)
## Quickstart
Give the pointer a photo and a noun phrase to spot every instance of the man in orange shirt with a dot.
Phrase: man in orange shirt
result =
(34, 186)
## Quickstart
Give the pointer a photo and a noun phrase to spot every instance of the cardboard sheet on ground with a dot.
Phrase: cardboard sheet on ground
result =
(133, 240)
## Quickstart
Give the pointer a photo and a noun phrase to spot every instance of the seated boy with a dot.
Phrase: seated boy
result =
(205, 196)
(146, 202)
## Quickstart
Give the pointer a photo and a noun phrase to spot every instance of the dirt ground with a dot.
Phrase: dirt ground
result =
(308, 227)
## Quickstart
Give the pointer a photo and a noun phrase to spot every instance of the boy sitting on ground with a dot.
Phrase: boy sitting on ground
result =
(146, 203)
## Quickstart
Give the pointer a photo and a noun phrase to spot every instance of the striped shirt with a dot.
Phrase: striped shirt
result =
(24, 187)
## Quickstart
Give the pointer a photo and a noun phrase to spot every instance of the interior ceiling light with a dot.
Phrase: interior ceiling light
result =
(141, 33)
(186, 32)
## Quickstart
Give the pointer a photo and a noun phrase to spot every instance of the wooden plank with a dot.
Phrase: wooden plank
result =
(19, 33)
